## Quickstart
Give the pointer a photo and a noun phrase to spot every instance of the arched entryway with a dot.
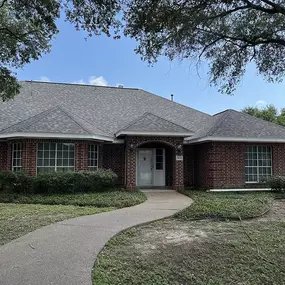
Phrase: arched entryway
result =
(154, 165)
(172, 158)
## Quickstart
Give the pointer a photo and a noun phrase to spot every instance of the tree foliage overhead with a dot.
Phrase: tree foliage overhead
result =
(227, 34)
(269, 113)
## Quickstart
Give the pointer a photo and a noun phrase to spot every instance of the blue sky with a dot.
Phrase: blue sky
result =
(102, 60)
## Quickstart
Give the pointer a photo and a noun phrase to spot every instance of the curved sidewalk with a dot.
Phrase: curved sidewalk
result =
(64, 253)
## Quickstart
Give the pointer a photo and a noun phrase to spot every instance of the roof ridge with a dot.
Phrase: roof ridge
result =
(78, 84)
(41, 115)
(72, 115)
(66, 113)
(217, 124)
(259, 119)
(174, 102)
(144, 115)
(132, 122)
(169, 121)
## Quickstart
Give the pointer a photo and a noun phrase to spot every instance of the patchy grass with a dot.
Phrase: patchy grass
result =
(19, 219)
(20, 214)
(226, 205)
(117, 199)
(206, 252)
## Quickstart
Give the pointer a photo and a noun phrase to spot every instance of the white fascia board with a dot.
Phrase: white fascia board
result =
(55, 136)
(235, 139)
(150, 134)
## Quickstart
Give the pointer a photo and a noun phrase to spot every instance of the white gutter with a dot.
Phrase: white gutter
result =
(240, 190)
(55, 136)
(235, 139)
(149, 134)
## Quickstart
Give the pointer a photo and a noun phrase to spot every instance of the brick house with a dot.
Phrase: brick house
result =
(147, 140)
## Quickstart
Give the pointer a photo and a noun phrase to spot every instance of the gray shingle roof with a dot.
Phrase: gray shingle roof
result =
(151, 123)
(105, 109)
(85, 109)
(54, 120)
(234, 124)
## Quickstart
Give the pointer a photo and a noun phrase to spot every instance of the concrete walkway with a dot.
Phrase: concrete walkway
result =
(64, 253)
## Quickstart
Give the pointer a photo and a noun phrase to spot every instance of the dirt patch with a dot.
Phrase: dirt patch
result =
(277, 212)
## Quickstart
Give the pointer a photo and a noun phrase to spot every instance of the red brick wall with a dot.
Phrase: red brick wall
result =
(3, 155)
(29, 154)
(114, 158)
(188, 165)
(222, 164)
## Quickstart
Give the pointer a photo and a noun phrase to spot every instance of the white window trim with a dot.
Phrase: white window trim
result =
(13, 150)
(97, 166)
(55, 166)
(257, 166)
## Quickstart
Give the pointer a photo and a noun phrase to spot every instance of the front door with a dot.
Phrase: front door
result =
(145, 167)
(151, 167)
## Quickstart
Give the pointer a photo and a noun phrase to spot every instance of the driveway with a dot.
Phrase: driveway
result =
(64, 253)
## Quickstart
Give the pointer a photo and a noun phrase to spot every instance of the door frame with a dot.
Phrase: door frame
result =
(153, 166)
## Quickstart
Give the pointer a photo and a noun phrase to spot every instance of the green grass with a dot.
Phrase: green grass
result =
(117, 199)
(206, 252)
(226, 205)
(20, 214)
(19, 219)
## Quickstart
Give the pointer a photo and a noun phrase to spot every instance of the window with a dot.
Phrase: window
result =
(92, 157)
(16, 156)
(258, 163)
(159, 159)
(55, 157)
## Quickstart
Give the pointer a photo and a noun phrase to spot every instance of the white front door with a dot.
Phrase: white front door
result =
(151, 167)
(145, 167)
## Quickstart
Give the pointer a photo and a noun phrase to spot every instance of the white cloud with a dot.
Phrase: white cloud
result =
(260, 103)
(44, 79)
(81, 81)
(93, 80)
(100, 81)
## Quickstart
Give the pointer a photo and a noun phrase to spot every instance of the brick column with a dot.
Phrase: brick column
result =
(81, 156)
(130, 166)
(29, 156)
(178, 167)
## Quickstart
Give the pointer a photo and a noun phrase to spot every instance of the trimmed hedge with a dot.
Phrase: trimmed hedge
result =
(276, 183)
(58, 182)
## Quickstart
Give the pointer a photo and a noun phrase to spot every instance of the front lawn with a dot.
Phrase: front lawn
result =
(183, 250)
(118, 199)
(232, 205)
(19, 219)
(20, 214)
(206, 252)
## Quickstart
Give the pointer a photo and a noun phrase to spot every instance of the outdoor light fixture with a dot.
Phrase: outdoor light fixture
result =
(131, 146)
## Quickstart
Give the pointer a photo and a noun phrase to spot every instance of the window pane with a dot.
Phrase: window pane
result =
(92, 156)
(258, 163)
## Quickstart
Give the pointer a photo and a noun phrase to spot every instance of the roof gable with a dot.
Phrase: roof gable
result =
(232, 124)
(54, 120)
(150, 123)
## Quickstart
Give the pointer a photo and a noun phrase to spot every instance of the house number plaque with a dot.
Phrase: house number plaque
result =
(179, 157)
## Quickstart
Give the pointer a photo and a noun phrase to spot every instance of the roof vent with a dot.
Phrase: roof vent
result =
(120, 86)
(171, 97)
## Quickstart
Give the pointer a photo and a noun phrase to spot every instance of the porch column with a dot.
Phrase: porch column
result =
(29, 156)
(178, 167)
(130, 166)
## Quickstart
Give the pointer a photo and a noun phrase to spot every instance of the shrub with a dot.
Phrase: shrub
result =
(18, 182)
(72, 182)
(276, 183)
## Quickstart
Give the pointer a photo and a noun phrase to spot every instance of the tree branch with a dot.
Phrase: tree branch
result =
(3, 3)
(274, 10)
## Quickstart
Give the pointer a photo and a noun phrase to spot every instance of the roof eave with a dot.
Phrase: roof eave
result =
(55, 135)
(235, 139)
(149, 134)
